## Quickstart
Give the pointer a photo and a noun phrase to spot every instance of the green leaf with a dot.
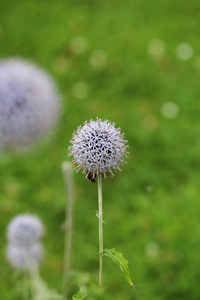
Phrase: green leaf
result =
(118, 258)
(80, 295)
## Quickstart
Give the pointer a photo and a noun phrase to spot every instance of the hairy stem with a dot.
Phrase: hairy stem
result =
(68, 177)
(100, 216)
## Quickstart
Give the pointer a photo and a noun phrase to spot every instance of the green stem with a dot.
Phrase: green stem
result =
(35, 279)
(26, 283)
(67, 172)
(100, 216)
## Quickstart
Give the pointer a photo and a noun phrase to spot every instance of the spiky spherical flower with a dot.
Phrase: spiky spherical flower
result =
(98, 148)
(24, 230)
(29, 257)
(29, 104)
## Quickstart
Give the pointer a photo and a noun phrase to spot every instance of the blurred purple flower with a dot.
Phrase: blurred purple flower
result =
(24, 230)
(29, 104)
(20, 257)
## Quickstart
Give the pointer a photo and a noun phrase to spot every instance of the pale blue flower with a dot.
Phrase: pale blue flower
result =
(98, 148)
(28, 257)
(24, 230)
(29, 104)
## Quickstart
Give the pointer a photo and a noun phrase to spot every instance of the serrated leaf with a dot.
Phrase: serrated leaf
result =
(80, 295)
(118, 258)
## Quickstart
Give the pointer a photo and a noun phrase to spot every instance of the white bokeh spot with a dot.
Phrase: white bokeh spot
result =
(170, 110)
(184, 51)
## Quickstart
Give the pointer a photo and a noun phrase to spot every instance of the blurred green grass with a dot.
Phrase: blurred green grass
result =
(151, 209)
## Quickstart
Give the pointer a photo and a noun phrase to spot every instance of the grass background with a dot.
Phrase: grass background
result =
(151, 209)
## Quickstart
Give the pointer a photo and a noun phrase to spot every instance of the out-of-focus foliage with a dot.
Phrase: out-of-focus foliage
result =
(136, 63)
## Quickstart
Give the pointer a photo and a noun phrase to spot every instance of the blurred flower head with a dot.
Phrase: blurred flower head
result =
(24, 230)
(98, 147)
(20, 258)
(29, 104)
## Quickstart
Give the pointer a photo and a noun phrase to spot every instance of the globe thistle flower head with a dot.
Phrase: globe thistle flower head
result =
(24, 230)
(29, 104)
(98, 148)
(21, 258)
